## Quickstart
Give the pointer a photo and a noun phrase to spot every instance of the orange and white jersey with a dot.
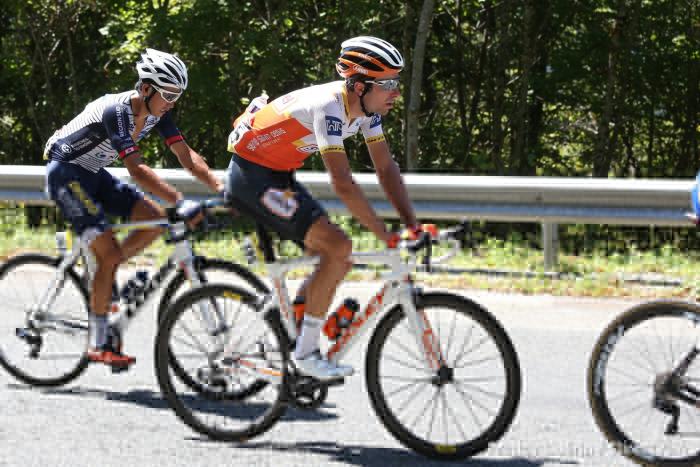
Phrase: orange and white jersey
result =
(283, 133)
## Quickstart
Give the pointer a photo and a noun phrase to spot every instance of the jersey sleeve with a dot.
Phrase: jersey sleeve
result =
(372, 129)
(168, 130)
(328, 128)
(115, 118)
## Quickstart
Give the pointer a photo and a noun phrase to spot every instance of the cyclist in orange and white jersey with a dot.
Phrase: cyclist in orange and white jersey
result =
(271, 140)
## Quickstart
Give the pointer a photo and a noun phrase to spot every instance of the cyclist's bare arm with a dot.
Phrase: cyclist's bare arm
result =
(391, 180)
(349, 192)
(147, 178)
(196, 165)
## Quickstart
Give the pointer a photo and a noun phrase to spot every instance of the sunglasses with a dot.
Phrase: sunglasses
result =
(386, 84)
(168, 96)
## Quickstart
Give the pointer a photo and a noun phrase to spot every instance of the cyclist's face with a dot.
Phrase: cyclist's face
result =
(380, 100)
(159, 106)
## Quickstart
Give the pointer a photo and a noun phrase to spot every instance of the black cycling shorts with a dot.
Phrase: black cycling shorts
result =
(86, 198)
(273, 198)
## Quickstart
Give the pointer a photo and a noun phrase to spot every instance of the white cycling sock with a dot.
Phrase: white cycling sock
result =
(99, 326)
(307, 342)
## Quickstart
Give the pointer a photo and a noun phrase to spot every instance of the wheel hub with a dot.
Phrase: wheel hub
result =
(444, 376)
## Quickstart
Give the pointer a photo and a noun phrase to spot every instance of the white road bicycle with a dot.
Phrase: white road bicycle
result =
(644, 382)
(441, 372)
(44, 302)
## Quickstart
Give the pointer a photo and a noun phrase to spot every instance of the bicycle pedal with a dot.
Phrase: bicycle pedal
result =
(119, 368)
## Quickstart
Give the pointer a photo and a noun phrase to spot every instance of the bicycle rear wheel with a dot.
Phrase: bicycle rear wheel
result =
(256, 355)
(649, 413)
(218, 271)
(42, 347)
(470, 402)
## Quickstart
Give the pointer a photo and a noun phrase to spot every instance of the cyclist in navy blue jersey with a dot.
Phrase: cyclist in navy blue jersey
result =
(110, 128)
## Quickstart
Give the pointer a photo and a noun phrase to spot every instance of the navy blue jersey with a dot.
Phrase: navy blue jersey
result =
(102, 132)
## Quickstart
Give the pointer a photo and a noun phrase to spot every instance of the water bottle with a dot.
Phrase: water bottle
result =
(299, 307)
(62, 243)
(340, 319)
(134, 287)
(249, 251)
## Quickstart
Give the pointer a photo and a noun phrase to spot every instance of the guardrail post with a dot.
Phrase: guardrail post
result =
(550, 245)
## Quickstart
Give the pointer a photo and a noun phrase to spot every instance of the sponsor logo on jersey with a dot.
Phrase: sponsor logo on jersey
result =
(334, 126)
(283, 102)
(81, 143)
(120, 123)
(376, 121)
(66, 148)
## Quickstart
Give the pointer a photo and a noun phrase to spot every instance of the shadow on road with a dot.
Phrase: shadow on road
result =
(154, 400)
(386, 457)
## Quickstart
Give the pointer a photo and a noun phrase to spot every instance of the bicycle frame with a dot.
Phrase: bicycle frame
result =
(398, 291)
(182, 257)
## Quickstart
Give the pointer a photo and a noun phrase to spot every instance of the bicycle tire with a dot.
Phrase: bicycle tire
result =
(388, 414)
(12, 271)
(602, 362)
(185, 404)
(177, 285)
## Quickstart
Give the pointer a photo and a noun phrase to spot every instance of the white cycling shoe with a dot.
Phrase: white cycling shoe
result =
(317, 366)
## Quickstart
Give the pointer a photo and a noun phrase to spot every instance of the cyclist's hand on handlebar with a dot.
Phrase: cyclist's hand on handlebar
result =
(189, 211)
(393, 240)
(414, 232)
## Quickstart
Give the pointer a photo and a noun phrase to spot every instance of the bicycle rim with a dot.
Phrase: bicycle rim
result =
(251, 342)
(630, 392)
(41, 349)
(457, 415)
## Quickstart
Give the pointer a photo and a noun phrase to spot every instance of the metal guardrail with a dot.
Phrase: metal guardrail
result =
(546, 200)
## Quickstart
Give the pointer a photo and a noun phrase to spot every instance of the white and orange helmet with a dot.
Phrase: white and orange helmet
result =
(369, 57)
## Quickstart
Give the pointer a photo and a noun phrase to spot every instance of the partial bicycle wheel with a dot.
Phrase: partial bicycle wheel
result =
(247, 349)
(42, 347)
(644, 384)
(219, 271)
(456, 412)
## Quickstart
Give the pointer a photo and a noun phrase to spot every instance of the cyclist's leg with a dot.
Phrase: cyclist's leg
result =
(145, 209)
(75, 190)
(123, 200)
(334, 248)
(280, 203)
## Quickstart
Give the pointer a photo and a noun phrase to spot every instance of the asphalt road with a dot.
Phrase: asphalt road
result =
(121, 420)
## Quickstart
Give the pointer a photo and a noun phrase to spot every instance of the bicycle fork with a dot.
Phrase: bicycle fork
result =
(422, 331)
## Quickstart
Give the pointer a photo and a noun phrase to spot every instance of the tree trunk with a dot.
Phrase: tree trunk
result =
(603, 151)
(478, 85)
(690, 134)
(412, 126)
(539, 85)
(459, 75)
(408, 42)
(519, 118)
(498, 61)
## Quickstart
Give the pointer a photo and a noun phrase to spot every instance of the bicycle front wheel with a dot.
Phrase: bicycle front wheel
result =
(644, 384)
(42, 346)
(457, 411)
(246, 350)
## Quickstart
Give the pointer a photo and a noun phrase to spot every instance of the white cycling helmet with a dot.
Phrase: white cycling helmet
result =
(162, 69)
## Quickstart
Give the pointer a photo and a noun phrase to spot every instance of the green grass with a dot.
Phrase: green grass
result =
(594, 275)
